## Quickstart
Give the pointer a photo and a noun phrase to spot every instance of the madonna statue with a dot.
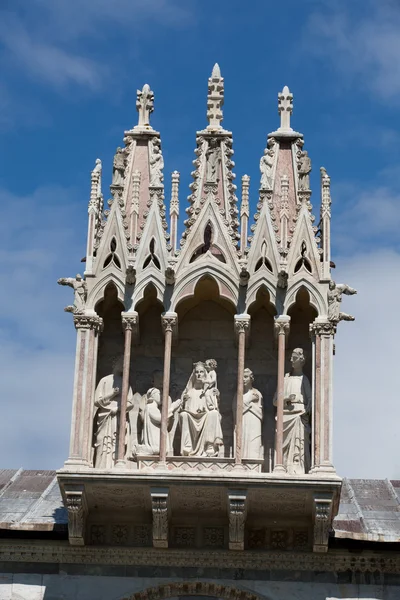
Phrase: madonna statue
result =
(200, 417)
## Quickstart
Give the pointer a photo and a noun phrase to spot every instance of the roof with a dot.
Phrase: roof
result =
(369, 508)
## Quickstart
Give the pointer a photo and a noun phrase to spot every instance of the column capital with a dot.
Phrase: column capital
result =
(130, 320)
(322, 327)
(282, 325)
(82, 321)
(169, 322)
(242, 323)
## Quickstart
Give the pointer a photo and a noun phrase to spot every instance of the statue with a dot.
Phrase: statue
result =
(296, 417)
(334, 299)
(118, 168)
(304, 169)
(211, 368)
(252, 418)
(266, 166)
(79, 286)
(150, 417)
(156, 164)
(200, 417)
(212, 161)
(107, 401)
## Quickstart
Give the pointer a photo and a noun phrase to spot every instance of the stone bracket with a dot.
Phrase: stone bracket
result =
(159, 508)
(237, 511)
(323, 517)
(75, 500)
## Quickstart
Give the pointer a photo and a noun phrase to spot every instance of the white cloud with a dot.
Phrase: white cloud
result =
(361, 40)
(366, 387)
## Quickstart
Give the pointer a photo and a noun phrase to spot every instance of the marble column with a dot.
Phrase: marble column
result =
(169, 323)
(242, 326)
(324, 332)
(88, 328)
(282, 324)
(129, 323)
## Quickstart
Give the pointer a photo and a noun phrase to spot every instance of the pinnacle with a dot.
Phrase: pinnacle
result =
(216, 72)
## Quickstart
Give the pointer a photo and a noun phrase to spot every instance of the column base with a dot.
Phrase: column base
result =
(238, 467)
(161, 466)
(279, 470)
(323, 469)
(120, 464)
(77, 463)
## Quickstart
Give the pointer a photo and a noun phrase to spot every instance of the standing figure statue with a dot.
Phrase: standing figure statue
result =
(79, 286)
(252, 418)
(304, 169)
(156, 164)
(266, 167)
(108, 401)
(334, 299)
(212, 161)
(200, 417)
(296, 417)
(119, 168)
(150, 417)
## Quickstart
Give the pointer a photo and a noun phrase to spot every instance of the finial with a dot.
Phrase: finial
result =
(97, 166)
(144, 105)
(285, 108)
(216, 72)
(215, 98)
(244, 209)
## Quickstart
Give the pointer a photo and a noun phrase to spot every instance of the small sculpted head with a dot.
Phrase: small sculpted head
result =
(200, 372)
(298, 359)
(210, 364)
(248, 378)
(78, 277)
(155, 395)
(332, 285)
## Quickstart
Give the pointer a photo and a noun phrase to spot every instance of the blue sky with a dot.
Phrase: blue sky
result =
(70, 71)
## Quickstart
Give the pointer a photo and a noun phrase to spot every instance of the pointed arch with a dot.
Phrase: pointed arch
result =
(316, 299)
(151, 277)
(96, 294)
(111, 341)
(224, 278)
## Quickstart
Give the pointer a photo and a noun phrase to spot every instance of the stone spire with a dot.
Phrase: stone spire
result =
(144, 105)
(174, 209)
(244, 212)
(215, 98)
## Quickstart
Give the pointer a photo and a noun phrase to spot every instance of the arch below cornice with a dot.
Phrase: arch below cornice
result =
(194, 588)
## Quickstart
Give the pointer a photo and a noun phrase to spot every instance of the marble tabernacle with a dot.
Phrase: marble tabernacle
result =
(202, 403)
(205, 360)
